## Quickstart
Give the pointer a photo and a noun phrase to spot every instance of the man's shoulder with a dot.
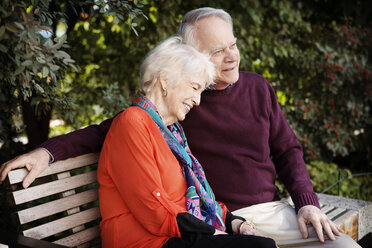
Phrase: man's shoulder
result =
(250, 76)
(251, 79)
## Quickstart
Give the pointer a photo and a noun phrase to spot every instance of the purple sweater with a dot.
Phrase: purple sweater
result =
(241, 138)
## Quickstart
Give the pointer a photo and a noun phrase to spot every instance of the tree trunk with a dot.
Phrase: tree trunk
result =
(37, 127)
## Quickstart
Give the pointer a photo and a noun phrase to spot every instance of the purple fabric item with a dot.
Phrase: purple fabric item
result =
(231, 133)
(82, 141)
(241, 138)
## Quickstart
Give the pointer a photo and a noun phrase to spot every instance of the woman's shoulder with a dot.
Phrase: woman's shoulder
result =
(133, 113)
(132, 116)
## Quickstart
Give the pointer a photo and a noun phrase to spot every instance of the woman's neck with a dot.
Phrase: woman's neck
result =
(156, 97)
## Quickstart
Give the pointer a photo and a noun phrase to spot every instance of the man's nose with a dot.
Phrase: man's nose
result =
(231, 54)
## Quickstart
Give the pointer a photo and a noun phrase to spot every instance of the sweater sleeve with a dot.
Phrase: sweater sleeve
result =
(140, 183)
(82, 141)
(287, 156)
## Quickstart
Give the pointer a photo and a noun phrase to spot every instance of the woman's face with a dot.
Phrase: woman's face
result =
(182, 98)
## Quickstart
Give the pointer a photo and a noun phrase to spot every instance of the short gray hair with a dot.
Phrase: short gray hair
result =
(175, 60)
(186, 29)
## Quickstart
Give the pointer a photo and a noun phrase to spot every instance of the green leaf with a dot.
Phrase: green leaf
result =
(11, 27)
(116, 20)
(40, 60)
(60, 41)
(53, 67)
(3, 48)
(18, 70)
(66, 61)
(45, 71)
(134, 30)
(39, 88)
(48, 43)
(27, 63)
(19, 25)
(62, 54)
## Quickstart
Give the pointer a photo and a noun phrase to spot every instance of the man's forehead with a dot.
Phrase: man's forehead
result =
(213, 32)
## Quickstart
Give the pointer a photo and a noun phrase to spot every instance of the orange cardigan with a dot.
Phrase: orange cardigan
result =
(142, 188)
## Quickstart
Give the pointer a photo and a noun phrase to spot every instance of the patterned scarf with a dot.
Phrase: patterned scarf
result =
(200, 200)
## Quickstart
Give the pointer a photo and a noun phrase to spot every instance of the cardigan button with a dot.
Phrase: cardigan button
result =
(158, 194)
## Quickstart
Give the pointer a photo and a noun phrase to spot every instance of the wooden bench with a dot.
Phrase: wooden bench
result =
(61, 206)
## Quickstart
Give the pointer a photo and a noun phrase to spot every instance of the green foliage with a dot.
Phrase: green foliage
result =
(332, 109)
(31, 63)
(35, 62)
(325, 176)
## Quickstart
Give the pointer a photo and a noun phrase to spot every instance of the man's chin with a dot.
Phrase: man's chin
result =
(226, 82)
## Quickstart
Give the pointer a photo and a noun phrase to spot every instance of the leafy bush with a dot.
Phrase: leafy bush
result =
(324, 176)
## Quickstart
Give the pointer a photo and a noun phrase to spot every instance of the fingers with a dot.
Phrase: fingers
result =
(34, 171)
(257, 233)
(248, 230)
(30, 177)
(218, 232)
(35, 161)
(326, 223)
(335, 229)
(8, 166)
(303, 227)
(318, 230)
(340, 230)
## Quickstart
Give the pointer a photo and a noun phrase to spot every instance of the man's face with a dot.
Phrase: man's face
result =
(214, 36)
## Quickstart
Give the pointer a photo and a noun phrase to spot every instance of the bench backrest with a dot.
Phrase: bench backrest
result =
(61, 206)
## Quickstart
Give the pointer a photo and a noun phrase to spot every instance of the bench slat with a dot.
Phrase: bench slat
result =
(16, 176)
(39, 191)
(62, 224)
(80, 237)
(327, 209)
(53, 207)
(335, 213)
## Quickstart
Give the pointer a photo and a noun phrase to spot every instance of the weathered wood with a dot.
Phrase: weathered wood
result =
(357, 221)
(336, 212)
(80, 237)
(51, 188)
(69, 193)
(62, 224)
(349, 223)
(17, 176)
(69, 203)
(57, 206)
(327, 209)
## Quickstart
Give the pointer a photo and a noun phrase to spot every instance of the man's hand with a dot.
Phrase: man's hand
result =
(35, 161)
(311, 214)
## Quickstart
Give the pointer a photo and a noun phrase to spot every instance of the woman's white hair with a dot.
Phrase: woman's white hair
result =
(186, 29)
(175, 60)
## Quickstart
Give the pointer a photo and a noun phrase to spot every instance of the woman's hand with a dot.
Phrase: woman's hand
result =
(218, 232)
(245, 228)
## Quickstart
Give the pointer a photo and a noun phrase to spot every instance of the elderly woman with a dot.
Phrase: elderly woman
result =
(153, 191)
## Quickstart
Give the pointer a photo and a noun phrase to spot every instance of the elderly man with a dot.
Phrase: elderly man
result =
(241, 138)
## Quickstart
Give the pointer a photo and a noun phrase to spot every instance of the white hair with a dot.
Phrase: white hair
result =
(175, 60)
(186, 29)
